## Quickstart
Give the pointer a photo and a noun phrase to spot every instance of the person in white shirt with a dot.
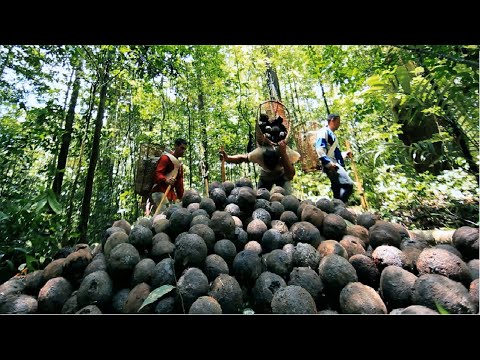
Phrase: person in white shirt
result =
(332, 159)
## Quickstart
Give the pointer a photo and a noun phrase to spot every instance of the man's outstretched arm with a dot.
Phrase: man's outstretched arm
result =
(235, 159)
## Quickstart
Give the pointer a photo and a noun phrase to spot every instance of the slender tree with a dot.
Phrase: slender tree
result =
(87, 197)
(67, 134)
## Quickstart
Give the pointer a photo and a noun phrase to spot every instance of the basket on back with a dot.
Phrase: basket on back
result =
(306, 147)
(146, 164)
(273, 123)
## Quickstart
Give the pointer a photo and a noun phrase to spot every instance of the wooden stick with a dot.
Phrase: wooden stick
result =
(223, 166)
(363, 200)
(206, 186)
(157, 211)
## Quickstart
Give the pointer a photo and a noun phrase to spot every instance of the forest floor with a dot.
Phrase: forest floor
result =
(439, 215)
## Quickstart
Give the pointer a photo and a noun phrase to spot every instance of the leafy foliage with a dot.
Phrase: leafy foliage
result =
(30, 231)
(410, 113)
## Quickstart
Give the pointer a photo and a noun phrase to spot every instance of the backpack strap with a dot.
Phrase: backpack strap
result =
(176, 165)
(331, 151)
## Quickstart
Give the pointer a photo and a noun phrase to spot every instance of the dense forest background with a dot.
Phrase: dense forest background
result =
(73, 120)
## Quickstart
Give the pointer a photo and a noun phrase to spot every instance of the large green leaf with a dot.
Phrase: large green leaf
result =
(52, 201)
(156, 294)
(3, 216)
(404, 79)
(40, 205)
(376, 83)
(32, 263)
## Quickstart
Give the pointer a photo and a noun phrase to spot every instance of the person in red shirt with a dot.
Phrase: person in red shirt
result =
(169, 171)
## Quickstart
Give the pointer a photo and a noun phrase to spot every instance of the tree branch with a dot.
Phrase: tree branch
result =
(440, 55)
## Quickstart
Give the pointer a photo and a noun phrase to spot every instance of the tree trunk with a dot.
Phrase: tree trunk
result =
(324, 97)
(204, 160)
(77, 166)
(294, 114)
(243, 112)
(311, 53)
(72, 74)
(272, 79)
(87, 197)
(273, 84)
(190, 173)
(67, 136)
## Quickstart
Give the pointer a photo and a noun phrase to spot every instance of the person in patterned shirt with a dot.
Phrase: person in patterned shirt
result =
(276, 164)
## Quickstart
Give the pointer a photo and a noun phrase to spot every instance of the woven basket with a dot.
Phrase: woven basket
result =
(306, 147)
(146, 164)
(272, 109)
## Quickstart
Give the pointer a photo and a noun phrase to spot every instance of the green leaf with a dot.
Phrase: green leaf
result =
(40, 205)
(377, 154)
(10, 264)
(156, 294)
(32, 263)
(43, 195)
(124, 49)
(52, 201)
(441, 309)
(404, 78)
(418, 70)
(376, 83)
(3, 216)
